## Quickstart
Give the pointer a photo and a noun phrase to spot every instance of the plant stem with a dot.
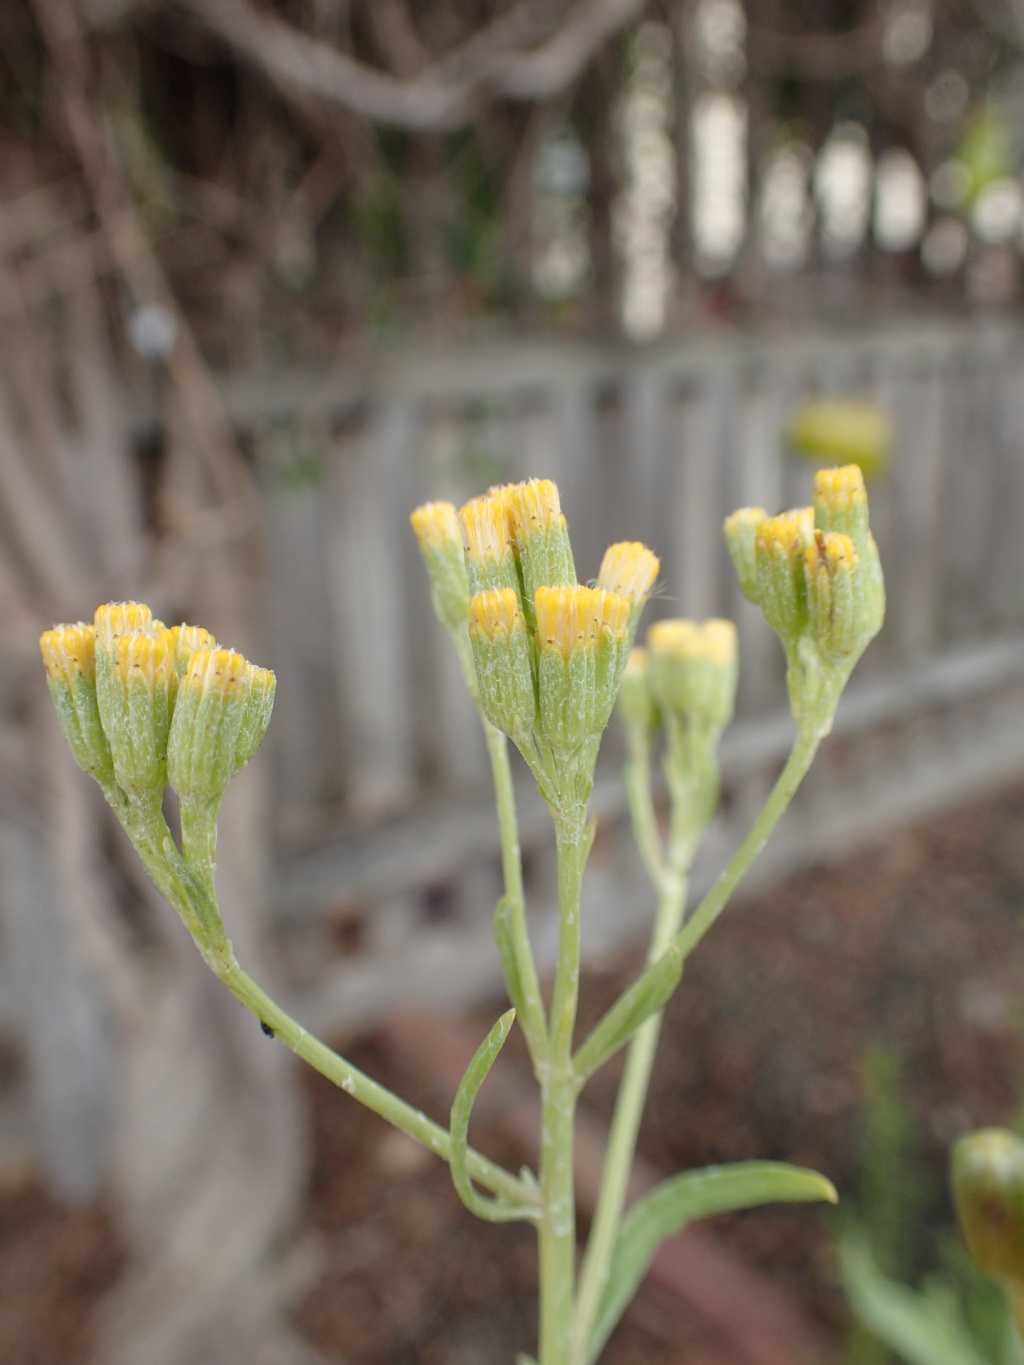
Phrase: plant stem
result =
(530, 1006)
(641, 804)
(557, 1229)
(368, 1092)
(192, 895)
(670, 879)
(800, 759)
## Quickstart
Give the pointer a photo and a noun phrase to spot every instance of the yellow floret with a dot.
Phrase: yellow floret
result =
(221, 670)
(832, 553)
(494, 613)
(186, 640)
(570, 618)
(842, 487)
(436, 523)
(146, 656)
(116, 619)
(629, 569)
(486, 529)
(532, 506)
(720, 641)
(745, 518)
(714, 640)
(69, 650)
(787, 534)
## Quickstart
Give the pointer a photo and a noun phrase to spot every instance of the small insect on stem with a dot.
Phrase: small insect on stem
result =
(266, 1029)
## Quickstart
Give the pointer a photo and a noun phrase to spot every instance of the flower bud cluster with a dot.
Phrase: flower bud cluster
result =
(547, 652)
(816, 575)
(141, 704)
(693, 671)
(686, 676)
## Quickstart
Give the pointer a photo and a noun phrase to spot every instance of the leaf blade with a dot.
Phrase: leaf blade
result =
(681, 1200)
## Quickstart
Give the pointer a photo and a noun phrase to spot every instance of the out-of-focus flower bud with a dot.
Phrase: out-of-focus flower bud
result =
(780, 548)
(636, 701)
(841, 504)
(69, 653)
(740, 537)
(629, 569)
(501, 658)
(843, 429)
(220, 717)
(487, 540)
(836, 617)
(582, 643)
(988, 1191)
(440, 540)
(693, 670)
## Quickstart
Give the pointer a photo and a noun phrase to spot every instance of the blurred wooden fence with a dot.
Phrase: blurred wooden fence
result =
(372, 723)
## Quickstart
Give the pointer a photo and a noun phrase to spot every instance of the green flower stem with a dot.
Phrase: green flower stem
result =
(670, 877)
(641, 802)
(199, 839)
(557, 1229)
(369, 1093)
(530, 1005)
(804, 748)
(192, 896)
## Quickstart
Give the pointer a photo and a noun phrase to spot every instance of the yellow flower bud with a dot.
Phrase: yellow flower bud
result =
(115, 619)
(69, 653)
(841, 502)
(988, 1192)
(487, 541)
(221, 714)
(502, 660)
(740, 537)
(583, 641)
(186, 640)
(440, 540)
(833, 602)
(636, 701)
(629, 569)
(694, 670)
(540, 537)
(135, 702)
(780, 545)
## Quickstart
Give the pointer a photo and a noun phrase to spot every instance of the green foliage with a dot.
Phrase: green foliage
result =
(893, 1192)
(681, 1200)
(958, 1316)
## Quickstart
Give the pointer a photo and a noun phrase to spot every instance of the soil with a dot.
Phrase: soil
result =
(911, 950)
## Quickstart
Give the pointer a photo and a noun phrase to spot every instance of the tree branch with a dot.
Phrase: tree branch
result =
(444, 96)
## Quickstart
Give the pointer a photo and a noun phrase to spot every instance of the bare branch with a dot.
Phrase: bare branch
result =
(444, 96)
(298, 64)
(546, 72)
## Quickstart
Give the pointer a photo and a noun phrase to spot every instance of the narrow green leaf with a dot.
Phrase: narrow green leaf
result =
(506, 951)
(588, 840)
(491, 1209)
(647, 995)
(922, 1328)
(681, 1200)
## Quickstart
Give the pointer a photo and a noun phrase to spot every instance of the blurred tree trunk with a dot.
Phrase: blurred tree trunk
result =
(148, 1079)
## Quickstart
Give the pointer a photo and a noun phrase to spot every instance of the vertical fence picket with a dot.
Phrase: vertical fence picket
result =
(917, 478)
(367, 589)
